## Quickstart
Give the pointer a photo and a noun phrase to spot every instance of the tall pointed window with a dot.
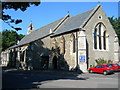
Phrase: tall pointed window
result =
(54, 44)
(100, 45)
(72, 43)
(62, 45)
(95, 38)
(100, 37)
(104, 40)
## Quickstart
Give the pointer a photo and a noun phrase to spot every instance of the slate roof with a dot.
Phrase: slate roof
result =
(74, 22)
(37, 34)
(69, 24)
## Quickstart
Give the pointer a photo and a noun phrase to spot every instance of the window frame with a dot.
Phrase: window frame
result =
(100, 38)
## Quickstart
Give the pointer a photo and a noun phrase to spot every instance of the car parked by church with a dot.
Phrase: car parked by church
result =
(115, 66)
(102, 68)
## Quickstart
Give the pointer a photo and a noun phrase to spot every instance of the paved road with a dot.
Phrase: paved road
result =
(84, 81)
(13, 78)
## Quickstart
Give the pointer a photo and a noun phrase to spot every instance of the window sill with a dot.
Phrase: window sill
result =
(100, 50)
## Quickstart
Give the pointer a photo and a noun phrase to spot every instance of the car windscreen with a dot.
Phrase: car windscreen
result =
(109, 65)
(117, 65)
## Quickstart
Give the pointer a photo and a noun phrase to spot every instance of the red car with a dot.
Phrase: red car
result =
(102, 68)
(116, 67)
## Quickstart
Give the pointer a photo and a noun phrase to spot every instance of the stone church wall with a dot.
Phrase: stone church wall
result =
(95, 54)
(68, 57)
(41, 49)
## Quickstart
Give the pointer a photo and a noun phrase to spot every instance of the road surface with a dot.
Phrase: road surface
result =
(19, 79)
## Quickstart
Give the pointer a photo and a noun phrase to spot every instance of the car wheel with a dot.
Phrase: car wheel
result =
(90, 71)
(105, 72)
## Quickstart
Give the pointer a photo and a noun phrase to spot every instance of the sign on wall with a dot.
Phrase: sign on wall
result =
(82, 58)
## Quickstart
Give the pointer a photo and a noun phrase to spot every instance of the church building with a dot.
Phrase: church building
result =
(70, 43)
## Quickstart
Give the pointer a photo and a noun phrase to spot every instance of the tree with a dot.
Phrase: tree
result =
(16, 6)
(10, 38)
(116, 25)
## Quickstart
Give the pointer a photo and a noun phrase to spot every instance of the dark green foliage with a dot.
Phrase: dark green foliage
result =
(16, 6)
(10, 38)
(116, 25)
(103, 61)
(110, 61)
(92, 66)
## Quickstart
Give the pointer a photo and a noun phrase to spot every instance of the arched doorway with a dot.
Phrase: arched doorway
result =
(55, 63)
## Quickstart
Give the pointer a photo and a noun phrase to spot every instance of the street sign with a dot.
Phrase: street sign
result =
(82, 58)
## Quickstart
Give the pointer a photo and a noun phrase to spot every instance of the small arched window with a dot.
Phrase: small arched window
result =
(62, 45)
(72, 43)
(54, 44)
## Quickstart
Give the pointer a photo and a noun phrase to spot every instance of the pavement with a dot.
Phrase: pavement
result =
(22, 79)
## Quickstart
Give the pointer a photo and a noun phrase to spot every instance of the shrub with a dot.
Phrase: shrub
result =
(92, 66)
(103, 61)
(110, 61)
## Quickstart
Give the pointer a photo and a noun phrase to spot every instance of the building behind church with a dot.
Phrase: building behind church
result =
(70, 43)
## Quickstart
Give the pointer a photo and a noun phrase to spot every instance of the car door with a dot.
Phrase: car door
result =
(99, 68)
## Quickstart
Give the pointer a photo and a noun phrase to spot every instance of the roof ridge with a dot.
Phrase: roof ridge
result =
(94, 10)
(59, 19)
(82, 12)
(62, 21)
(46, 25)
(37, 30)
(56, 24)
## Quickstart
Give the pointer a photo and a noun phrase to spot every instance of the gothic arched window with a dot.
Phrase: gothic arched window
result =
(104, 40)
(99, 29)
(95, 38)
(54, 44)
(72, 43)
(100, 37)
(62, 45)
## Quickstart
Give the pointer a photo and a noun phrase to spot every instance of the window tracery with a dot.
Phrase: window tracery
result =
(100, 37)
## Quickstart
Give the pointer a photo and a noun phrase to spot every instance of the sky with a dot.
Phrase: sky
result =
(48, 12)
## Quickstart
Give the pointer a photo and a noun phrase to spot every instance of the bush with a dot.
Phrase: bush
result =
(103, 61)
(92, 66)
(110, 61)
